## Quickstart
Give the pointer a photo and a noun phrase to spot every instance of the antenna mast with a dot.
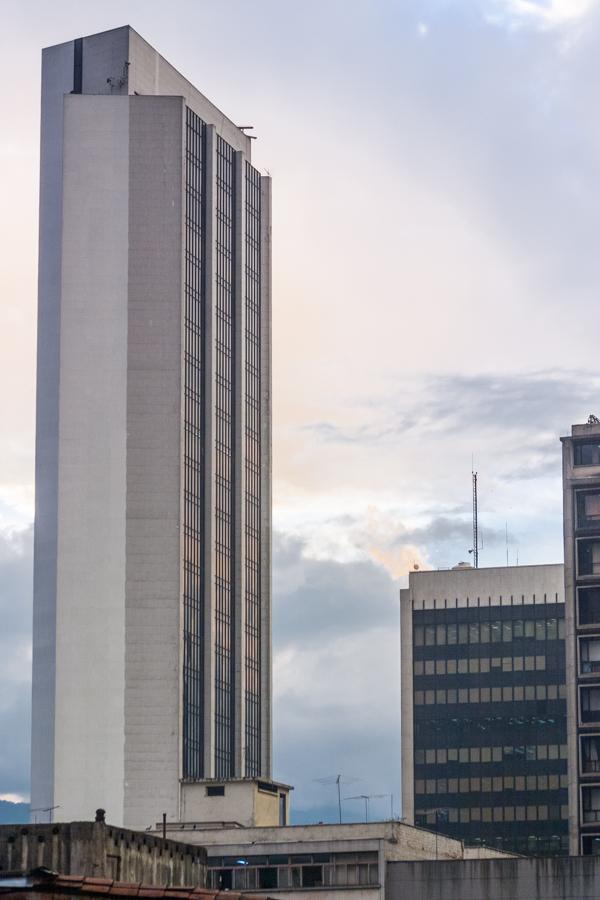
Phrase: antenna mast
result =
(475, 524)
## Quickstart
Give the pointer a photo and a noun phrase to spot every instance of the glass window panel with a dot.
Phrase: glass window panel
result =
(442, 756)
(440, 667)
(463, 754)
(518, 628)
(529, 628)
(463, 695)
(440, 697)
(430, 757)
(507, 631)
(463, 666)
(429, 635)
(474, 633)
(473, 695)
(484, 632)
(440, 636)
(473, 666)
(418, 667)
(475, 754)
(475, 784)
(496, 632)
(484, 666)
(485, 695)
(451, 666)
(451, 633)
(518, 692)
(540, 663)
(518, 663)
(552, 629)
(429, 667)
(429, 698)
(452, 696)
(419, 698)
(463, 634)
(507, 694)
(497, 754)
(507, 664)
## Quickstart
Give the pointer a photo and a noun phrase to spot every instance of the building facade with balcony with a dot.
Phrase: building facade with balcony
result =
(581, 499)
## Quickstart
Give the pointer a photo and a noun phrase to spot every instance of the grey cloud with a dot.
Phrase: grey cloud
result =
(540, 406)
(15, 642)
(317, 601)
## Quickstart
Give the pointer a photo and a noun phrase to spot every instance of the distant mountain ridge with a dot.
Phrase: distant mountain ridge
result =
(13, 813)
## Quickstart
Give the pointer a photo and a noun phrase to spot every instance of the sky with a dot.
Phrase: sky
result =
(436, 187)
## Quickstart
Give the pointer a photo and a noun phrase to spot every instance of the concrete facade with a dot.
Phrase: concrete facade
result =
(316, 860)
(465, 672)
(138, 689)
(581, 519)
(566, 878)
(100, 850)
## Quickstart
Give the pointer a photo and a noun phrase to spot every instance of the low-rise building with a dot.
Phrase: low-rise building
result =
(100, 850)
(319, 860)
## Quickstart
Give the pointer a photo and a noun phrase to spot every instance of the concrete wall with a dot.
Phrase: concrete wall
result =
(561, 878)
(153, 518)
(90, 621)
(100, 850)
(57, 80)
(398, 841)
(243, 803)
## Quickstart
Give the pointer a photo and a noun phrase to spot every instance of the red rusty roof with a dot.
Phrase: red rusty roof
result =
(84, 886)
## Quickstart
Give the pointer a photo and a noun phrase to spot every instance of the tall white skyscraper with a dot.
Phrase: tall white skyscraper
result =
(152, 610)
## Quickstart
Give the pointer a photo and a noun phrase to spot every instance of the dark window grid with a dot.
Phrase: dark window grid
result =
(193, 484)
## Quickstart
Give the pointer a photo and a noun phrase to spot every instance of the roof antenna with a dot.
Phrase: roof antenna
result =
(475, 549)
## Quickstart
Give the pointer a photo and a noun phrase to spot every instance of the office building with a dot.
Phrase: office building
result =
(152, 619)
(484, 737)
(581, 496)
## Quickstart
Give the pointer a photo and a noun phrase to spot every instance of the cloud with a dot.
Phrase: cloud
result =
(15, 659)
(545, 13)
(336, 678)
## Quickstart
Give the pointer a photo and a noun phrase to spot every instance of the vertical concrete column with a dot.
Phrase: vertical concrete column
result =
(210, 331)
(57, 81)
(266, 761)
(239, 464)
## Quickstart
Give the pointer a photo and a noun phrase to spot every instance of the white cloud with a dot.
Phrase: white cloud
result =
(549, 14)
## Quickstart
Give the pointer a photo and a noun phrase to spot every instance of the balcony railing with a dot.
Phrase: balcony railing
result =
(590, 766)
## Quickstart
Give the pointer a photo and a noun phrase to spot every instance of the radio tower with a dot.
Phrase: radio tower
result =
(475, 526)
